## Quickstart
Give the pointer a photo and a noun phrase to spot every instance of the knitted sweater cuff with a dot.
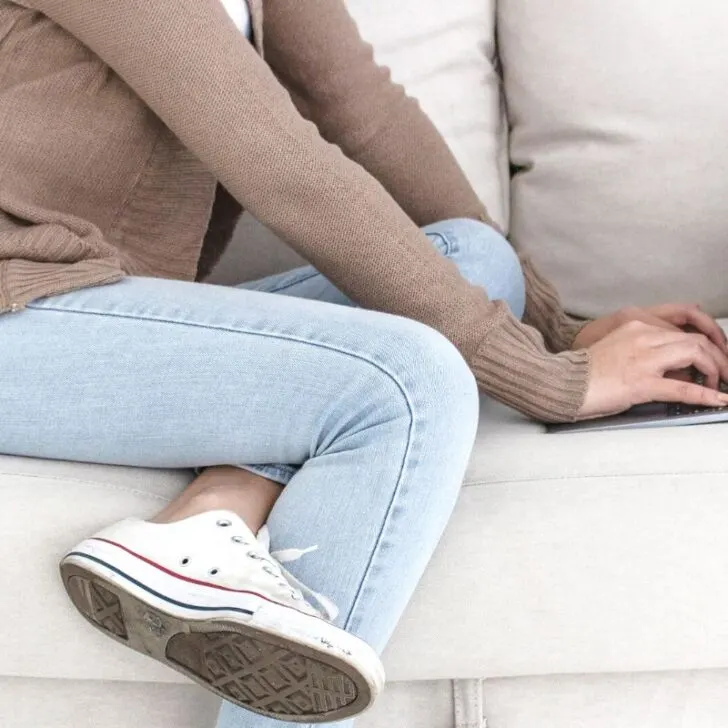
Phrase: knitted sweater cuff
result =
(545, 312)
(513, 365)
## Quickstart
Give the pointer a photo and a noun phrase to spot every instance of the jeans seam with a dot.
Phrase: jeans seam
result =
(451, 247)
(232, 330)
(385, 523)
(376, 365)
(294, 281)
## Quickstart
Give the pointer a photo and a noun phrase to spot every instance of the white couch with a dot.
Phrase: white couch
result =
(581, 581)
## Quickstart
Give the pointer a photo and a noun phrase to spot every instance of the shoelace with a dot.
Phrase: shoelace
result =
(274, 561)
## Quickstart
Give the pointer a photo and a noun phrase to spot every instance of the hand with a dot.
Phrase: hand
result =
(629, 366)
(670, 316)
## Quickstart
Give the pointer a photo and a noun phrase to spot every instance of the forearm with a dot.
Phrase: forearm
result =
(411, 159)
(545, 312)
(355, 105)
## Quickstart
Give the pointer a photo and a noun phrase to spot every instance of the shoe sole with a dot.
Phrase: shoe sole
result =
(262, 672)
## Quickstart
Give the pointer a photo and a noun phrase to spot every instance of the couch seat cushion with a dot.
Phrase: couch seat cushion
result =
(589, 552)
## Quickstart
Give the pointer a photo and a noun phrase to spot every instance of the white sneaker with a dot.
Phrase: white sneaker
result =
(205, 597)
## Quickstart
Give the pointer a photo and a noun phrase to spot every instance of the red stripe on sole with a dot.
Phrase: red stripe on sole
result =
(187, 578)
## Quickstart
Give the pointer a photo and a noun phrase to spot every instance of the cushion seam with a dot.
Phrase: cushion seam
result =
(92, 483)
(468, 483)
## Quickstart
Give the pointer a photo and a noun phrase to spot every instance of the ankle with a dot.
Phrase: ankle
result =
(216, 497)
(249, 496)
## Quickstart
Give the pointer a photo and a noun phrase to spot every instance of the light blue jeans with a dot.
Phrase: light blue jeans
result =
(368, 419)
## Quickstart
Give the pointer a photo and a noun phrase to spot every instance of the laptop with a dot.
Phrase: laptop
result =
(654, 414)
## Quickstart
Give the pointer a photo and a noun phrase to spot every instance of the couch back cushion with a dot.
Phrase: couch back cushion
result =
(443, 53)
(619, 142)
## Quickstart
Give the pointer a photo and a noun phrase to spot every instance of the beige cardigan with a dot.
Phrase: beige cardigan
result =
(120, 120)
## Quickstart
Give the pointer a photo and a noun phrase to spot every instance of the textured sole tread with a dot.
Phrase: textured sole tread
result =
(266, 674)
(263, 676)
(99, 605)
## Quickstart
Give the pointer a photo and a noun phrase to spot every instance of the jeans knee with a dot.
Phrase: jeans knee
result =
(406, 378)
(432, 374)
(484, 257)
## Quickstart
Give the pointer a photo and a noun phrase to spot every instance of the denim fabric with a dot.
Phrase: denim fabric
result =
(367, 418)
(482, 255)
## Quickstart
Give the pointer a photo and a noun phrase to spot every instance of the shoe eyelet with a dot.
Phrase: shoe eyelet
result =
(224, 523)
(239, 539)
(185, 561)
(213, 572)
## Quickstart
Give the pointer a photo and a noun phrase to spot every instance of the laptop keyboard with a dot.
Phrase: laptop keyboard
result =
(676, 409)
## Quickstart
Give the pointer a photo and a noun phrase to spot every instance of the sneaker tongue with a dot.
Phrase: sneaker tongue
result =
(323, 606)
(263, 538)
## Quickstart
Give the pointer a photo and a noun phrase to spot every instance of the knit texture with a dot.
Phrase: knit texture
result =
(120, 119)
(544, 311)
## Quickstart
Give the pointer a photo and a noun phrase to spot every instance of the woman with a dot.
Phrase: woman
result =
(132, 134)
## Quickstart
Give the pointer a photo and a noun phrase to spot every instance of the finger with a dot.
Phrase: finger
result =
(658, 339)
(717, 353)
(644, 316)
(654, 337)
(692, 315)
(701, 322)
(685, 353)
(671, 390)
(682, 375)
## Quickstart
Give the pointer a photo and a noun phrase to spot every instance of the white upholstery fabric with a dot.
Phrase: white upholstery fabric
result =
(468, 705)
(34, 703)
(566, 554)
(577, 553)
(619, 125)
(652, 700)
(26, 703)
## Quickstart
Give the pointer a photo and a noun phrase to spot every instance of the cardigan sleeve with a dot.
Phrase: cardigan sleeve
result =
(186, 60)
(355, 104)
(353, 101)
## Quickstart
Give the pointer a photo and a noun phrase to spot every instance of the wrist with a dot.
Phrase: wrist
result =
(513, 366)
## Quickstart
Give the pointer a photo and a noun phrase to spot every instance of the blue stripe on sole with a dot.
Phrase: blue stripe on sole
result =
(156, 593)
